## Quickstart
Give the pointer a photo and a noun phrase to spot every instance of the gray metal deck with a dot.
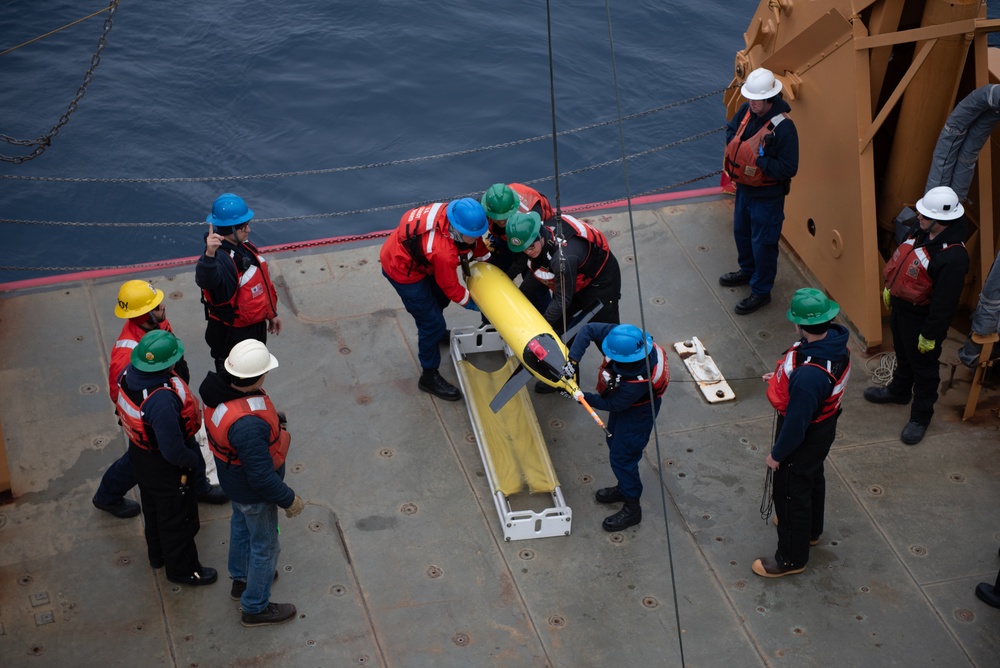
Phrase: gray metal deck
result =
(398, 559)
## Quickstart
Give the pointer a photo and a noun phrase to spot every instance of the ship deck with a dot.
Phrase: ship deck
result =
(398, 559)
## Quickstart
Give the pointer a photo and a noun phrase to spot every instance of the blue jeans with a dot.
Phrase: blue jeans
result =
(630, 430)
(119, 479)
(425, 301)
(757, 230)
(253, 551)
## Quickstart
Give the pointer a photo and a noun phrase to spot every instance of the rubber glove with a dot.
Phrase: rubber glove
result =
(925, 345)
(886, 299)
(471, 306)
(297, 505)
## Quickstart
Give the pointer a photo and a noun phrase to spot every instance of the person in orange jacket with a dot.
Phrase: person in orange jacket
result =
(501, 201)
(421, 260)
(141, 305)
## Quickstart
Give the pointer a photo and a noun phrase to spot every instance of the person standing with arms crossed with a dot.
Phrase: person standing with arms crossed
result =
(762, 156)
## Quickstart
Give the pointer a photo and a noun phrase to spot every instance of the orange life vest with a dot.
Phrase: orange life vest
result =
(121, 354)
(130, 404)
(660, 376)
(590, 267)
(218, 420)
(906, 274)
(777, 384)
(741, 156)
(255, 299)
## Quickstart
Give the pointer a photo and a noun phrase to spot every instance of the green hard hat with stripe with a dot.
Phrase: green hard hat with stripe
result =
(500, 201)
(812, 307)
(156, 351)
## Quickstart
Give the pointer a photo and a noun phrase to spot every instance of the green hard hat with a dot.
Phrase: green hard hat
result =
(522, 230)
(156, 351)
(500, 201)
(811, 307)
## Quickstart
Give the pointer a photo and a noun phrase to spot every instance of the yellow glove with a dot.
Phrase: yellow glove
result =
(886, 299)
(925, 345)
(297, 505)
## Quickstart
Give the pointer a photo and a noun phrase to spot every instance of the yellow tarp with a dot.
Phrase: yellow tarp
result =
(514, 446)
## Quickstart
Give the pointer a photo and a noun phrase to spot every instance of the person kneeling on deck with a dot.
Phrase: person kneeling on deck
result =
(805, 389)
(421, 258)
(161, 416)
(250, 443)
(634, 370)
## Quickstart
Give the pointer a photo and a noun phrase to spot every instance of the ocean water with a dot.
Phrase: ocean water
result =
(208, 92)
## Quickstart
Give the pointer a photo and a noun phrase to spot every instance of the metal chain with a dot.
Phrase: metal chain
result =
(354, 168)
(43, 142)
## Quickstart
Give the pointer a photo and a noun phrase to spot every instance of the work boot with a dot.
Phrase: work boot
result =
(735, 278)
(609, 495)
(201, 577)
(123, 509)
(274, 613)
(883, 395)
(913, 433)
(752, 303)
(768, 567)
(432, 381)
(214, 495)
(629, 515)
(989, 594)
(240, 586)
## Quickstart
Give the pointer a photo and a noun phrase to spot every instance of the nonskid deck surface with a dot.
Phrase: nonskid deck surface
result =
(398, 558)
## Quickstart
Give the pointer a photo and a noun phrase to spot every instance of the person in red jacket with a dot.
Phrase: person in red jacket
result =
(421, 260)
(141, 305)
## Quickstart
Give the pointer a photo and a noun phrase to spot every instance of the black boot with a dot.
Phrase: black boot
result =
(431, 381)
(989, 595)
(609, 495)
(629, 515)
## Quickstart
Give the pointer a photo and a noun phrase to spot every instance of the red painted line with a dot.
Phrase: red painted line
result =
(328, 241)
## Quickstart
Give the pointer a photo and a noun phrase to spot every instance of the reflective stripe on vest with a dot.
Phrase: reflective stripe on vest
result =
(131, 413)
(909, 279)
(777, 384)
(219, 421)
(661, 376)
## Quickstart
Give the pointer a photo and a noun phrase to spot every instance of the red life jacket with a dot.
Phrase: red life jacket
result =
(218, 420)
(130, 404)
(777, 384)
(590, 267)
(741, 156)
(121, 354)
(529, 197)
(906, 274)
(660, 376)
(255, 299)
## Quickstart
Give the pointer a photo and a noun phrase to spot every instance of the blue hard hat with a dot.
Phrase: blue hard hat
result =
(627, 343)
(229, 210)
(467, 217)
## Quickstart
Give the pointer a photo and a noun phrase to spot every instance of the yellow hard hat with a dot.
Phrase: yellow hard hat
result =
(136, 298)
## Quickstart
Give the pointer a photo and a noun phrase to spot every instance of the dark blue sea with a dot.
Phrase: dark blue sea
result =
(205, 92)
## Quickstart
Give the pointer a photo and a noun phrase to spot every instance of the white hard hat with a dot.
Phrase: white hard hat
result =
(249, 359)
(940, 203)
(760, 85)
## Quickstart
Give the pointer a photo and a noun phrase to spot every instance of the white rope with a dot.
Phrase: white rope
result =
(881, 367)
